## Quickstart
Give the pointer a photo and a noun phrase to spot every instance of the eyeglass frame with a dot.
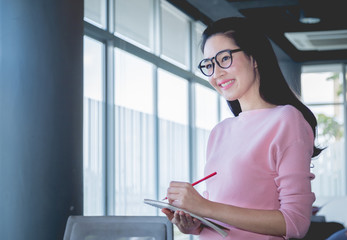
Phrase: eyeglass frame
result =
(213, 62)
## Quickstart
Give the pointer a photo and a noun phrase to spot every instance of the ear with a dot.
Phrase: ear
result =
(255, 64)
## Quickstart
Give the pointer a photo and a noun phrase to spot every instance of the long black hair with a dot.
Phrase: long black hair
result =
(273, 87)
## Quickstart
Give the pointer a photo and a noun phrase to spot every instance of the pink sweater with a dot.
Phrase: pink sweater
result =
(262, 159)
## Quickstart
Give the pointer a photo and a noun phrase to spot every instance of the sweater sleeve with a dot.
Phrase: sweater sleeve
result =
(294, 187)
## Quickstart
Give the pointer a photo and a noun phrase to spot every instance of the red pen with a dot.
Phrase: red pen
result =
(199, 181)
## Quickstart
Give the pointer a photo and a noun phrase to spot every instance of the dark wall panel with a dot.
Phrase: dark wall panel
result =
(41, 118)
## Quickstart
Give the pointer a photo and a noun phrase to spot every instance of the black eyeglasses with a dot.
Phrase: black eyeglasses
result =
(223, 58)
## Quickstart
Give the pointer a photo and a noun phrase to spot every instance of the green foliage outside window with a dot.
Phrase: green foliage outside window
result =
(330, 129)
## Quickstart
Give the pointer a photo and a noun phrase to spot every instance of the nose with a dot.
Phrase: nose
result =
(218, 71)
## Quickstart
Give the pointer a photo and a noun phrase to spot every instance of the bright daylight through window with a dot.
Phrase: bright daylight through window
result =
(143, 95)
(323, 89)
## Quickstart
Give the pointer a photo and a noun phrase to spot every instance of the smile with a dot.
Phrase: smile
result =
(223, 85)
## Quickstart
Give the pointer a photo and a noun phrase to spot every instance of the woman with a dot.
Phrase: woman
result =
(262, 156)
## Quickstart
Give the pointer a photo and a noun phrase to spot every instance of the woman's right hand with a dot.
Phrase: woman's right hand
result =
(185, 223)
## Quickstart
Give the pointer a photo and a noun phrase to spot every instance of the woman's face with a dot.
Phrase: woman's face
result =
(239, 81)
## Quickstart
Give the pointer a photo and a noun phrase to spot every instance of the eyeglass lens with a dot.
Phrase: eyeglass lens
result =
(223, 60)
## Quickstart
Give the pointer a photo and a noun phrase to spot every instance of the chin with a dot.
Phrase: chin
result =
(230, 98)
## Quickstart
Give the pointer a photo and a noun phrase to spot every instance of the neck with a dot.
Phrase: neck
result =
(257, 104)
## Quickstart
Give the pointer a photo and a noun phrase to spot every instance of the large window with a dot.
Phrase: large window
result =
(147, 111)
(324, 91)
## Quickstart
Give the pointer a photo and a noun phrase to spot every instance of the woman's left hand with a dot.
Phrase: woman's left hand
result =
(185, 223)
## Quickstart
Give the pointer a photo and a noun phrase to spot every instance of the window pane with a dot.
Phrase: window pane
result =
(93, 125)
(134, 21)
(206, 107)
(133, 90)
(135, 170)
(173, 129)
(319, 87)
(206, 117)
(175, 35)
(322, 87)
(197, 53)
(329, 167)
(95, 12)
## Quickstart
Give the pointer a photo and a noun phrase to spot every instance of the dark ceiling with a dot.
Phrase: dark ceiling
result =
(277, 17)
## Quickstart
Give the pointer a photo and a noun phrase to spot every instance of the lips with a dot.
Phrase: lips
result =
(227, 83)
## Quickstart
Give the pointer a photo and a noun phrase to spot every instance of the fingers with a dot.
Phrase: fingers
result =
(189, 218)
(179, 184)
(185, 222)
(183, 219)
(177, 191)
(169, 214)
(178, 188)
(177, 219)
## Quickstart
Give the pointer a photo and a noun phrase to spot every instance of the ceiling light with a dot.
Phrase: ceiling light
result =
(307, 18)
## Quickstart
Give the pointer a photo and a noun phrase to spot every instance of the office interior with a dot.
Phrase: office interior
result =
(102, 105)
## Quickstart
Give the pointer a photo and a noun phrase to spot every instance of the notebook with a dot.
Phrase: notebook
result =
(208, 223)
